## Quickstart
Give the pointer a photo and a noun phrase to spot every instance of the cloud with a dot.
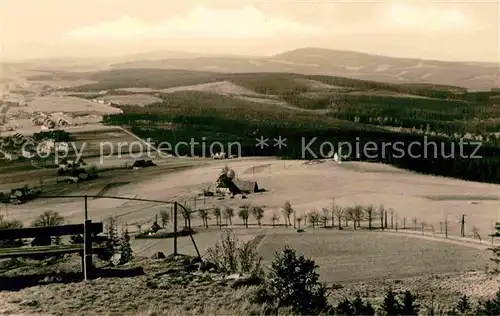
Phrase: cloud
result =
(200, 22)
(405, 16)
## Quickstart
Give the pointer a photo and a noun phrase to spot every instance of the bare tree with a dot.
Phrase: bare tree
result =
(299, 220)
(275, 219)
(357, 215)
(414, 221)
(258, 214)
(324, 216)
(334, 207)
(340, 213)
(313, 218)
(349, 215)
(244, 213)
(381, 210)
(204, 216)
(48, 218)
(370, 215)
(229, 214)
(217, 213)
(287, 211)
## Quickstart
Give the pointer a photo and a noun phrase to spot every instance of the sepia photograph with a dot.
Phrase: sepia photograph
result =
(250, 157)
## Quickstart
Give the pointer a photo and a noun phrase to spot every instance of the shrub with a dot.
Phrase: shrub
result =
(229, 255)
(463, 306)
(48, 218)
(490, 307)
(125, 248)
(112, 241)
(391, 306)
(5, 224)
(409, 307)
(355, 307)
(293, 282)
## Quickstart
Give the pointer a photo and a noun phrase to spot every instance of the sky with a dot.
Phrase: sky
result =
(445, 30)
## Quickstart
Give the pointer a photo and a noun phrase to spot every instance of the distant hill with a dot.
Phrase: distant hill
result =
(319, 61)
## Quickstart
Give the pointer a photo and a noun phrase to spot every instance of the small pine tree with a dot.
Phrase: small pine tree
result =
(409, 307)
(112, 241)
(344, 308)
(155, 227)
(489, 307)
(165, 218)
(300, 289)
(463, 306)
(125, 248)
(391, 306)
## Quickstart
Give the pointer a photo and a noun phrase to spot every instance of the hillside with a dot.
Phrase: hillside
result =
(320, 61)
(445, 108)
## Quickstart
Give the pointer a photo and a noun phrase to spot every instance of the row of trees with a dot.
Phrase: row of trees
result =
(336, 216)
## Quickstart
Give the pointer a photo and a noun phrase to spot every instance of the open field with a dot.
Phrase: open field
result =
(350, 261)
(306, 186)
(358, 256)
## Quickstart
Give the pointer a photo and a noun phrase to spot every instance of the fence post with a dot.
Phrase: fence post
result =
(462, 226)
(392, 219)
(382, 219)
(87, 250)
(446, 226)
(86, 209)
(175, 228)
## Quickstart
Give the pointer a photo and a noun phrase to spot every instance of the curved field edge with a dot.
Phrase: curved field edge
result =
(361, 256)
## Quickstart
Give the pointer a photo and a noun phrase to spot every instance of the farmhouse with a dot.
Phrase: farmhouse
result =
(247, 186)
(223, 187)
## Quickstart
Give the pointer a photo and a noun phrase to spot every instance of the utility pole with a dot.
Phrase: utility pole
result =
(446, 226)
(382, 219)
(392, 219)
(385, 219)
(462, 226)
(175, 228)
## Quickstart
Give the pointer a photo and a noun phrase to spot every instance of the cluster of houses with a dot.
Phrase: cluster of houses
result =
(11, 148)
(222, 155)
(101, 101)
(48, 122)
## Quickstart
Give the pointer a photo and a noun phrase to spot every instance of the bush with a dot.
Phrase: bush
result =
(111, 243)
(230, 256)
(5, 224)
(391, 305)
(490, 307)
(293, 282)
(463, 306)
(125, 248)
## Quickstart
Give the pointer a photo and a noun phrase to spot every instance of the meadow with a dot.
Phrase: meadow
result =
(349, 256)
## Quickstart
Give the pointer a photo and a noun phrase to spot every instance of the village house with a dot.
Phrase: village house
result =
(244, 186)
